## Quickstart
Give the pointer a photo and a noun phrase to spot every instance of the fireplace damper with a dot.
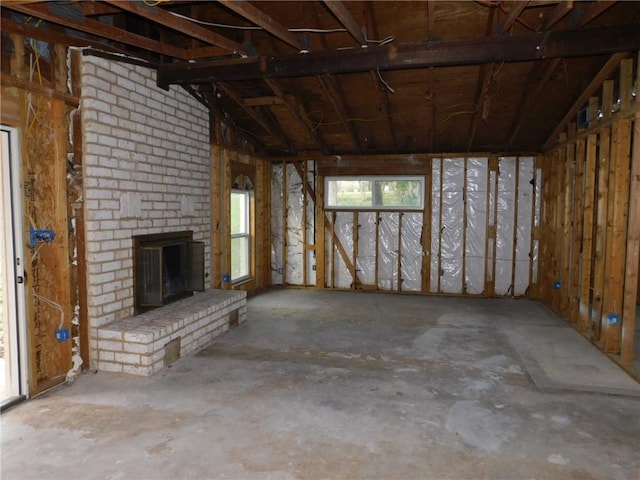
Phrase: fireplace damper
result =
(167, 267)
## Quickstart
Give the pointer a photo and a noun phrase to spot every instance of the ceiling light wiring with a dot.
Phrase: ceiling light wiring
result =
(254, 27)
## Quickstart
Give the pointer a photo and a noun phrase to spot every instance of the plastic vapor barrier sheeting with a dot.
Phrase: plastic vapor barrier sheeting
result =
(451, 229)
(476, 234)
(388, 251)
(277, 233)
(295, 245)
(344, 234)
(435, 225)
(411, 252)
(505, 227)
(523, 226)
(311, 225)
(366, 260)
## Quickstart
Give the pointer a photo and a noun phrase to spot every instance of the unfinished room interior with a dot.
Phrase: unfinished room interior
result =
(320, 239)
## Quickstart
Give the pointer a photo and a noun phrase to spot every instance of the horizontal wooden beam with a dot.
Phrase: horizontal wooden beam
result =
(440, 53)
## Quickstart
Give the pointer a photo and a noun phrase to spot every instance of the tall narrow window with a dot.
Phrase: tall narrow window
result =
(240, 235)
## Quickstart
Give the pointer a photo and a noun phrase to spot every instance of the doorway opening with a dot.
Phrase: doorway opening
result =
(13, 372)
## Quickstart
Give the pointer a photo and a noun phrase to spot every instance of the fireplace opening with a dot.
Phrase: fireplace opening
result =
(167, 267)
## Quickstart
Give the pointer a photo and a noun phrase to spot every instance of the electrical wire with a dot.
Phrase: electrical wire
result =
(253, 27)
(387, 86)
(53, 304)
(456, 113)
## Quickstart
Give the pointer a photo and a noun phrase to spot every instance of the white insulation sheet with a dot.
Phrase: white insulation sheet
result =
(294, 243)
(388, 251)
(476, 234)
(452, 225)
(277, 233)
(411, 252)
(310, 223)
(505, 227)
(436, 168)
(344, 234)
(523, 226)
(366, 259)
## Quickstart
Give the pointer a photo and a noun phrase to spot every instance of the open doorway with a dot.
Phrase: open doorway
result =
(13, 373)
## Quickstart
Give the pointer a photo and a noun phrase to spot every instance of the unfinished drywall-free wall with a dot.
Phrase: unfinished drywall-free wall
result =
(146, 168)
(477, 233)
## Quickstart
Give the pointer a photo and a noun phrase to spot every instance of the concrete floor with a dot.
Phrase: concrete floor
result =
(343, 385)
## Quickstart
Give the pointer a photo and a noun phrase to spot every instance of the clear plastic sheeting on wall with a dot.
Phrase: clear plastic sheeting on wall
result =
(388, 251)
(310, 224)
(476, 231)
(451, 230)
(294, 240)
(435, 225)
(343, 228)
(366, 259)
(536, 223)
(523, 225)
(277, 233)
(505, 226)
(411, 252)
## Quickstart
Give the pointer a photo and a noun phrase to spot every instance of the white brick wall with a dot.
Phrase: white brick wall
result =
(144, 145)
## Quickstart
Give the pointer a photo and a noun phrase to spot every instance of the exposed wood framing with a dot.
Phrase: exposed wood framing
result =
(571, 43)
(631, 273)
(603, 277)
(163, 17)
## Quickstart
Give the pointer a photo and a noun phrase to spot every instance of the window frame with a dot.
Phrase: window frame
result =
(245, 234)
(374, 178)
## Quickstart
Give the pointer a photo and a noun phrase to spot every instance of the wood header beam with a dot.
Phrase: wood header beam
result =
(539, 46)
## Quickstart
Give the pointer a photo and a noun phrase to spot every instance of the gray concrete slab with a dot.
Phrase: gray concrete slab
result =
(340, 385)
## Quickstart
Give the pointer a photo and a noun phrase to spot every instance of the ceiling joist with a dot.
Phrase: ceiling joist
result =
(572, 43)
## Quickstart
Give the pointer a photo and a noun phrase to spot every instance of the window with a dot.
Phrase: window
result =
(240, 235)
(379, 192)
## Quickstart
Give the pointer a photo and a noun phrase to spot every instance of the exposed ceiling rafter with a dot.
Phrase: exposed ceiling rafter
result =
(165, 18)
(258, 17)
(573, 43)
(101, 30)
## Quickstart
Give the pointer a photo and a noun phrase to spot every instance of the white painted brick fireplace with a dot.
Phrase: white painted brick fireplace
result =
(146, 168)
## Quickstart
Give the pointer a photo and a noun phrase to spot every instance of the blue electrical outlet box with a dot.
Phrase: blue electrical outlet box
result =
(556, 285)
(36, 236)
(226, 278)
(613, 319)
(62, 334)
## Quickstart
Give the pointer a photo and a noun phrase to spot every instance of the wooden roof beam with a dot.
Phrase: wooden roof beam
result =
(605, 72)
(558, 13)
(383, 95)
(537, 46)
(258, 17)
(229, 91)
(101, 30)
(165, 18)
(534, 90)
(295, 110)
(336, 97)
(516, 9)
(594, 11)
(485, 78)
(346, 19)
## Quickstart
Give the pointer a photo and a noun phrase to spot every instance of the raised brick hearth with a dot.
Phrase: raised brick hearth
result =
(146, 343)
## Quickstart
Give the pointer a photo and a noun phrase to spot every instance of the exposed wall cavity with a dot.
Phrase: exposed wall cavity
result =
(474, 237)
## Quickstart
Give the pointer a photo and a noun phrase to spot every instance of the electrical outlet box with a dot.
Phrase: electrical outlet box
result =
(280, 271)
(36, 236)
(62, 334)
(314, 268)
(557, 285)
(226, 278)
(613, 319)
